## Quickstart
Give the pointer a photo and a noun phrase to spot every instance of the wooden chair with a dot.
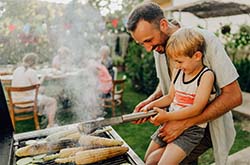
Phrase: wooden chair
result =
(115, 72)
(23, 110)
(116, 98)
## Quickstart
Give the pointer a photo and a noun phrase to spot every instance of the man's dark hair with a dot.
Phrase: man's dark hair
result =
(150, 12)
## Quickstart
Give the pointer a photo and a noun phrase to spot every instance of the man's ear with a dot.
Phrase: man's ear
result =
(198, 55)
(163, 25)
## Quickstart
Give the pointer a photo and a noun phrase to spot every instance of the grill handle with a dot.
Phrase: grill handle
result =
(138, 115)
(91, 126)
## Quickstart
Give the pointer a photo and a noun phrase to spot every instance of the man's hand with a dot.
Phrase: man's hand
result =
(172, 129)
(138, 108)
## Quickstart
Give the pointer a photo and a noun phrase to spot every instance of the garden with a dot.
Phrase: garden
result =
(53, 27)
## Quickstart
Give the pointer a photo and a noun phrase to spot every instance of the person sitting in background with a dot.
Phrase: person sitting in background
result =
(104, 84)
(61, 61)
(106, 59)
(26, 75)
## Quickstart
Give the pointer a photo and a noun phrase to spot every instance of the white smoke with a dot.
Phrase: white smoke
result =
(83, 38)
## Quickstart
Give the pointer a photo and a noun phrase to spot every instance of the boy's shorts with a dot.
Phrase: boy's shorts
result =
(187, 141)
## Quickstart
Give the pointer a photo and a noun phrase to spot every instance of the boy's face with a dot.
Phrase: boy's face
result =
(187, 64)
(151, 38)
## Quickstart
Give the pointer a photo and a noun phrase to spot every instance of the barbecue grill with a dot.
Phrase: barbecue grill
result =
(9, 142)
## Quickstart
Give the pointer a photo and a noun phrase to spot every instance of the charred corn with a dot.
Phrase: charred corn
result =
(65, 160)
(88, 141)
(95, 155)
(36, 149)
(74, 136)
(58, 135)
(44, 147)
(67, 152)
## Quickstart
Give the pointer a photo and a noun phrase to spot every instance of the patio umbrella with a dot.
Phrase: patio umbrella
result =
(212, 8)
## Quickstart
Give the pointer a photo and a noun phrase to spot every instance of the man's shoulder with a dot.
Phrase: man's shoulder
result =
(200, 30)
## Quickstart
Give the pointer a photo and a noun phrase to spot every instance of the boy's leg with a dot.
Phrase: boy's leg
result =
(155, 149)
(153, 153)
(204, 145)
(172, 155)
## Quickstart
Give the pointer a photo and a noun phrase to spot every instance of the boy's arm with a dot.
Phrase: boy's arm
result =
(200, 101)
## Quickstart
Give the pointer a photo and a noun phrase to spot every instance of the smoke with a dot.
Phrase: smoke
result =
(81, 28)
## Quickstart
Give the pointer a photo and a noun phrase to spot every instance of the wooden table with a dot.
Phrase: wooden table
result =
(50, 73)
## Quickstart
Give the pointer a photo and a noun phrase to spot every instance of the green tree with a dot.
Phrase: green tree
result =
(140, 68)
(24, 29)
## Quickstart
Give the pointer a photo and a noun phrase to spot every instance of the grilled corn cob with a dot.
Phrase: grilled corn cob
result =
(58, 135)
(94, 155)
(88, 141)
(36, 149)
(44, 147)
(73, 136)
(67, 152)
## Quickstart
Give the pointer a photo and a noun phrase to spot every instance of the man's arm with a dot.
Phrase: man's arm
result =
(230, 98)
(157, 94)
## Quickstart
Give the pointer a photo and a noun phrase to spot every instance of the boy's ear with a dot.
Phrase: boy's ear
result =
(198, 55)
(163, 25)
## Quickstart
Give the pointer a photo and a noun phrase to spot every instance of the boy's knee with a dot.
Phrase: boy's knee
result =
(151, 160)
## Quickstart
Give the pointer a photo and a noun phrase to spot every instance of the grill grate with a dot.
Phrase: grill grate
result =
(114, 161)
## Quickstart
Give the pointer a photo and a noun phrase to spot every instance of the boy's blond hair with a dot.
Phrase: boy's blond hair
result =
(185, 42)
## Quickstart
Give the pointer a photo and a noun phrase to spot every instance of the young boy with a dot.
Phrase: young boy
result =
(190, 91)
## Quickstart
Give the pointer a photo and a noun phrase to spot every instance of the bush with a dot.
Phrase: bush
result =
(237, 44)
(243, 68)
(140, 68)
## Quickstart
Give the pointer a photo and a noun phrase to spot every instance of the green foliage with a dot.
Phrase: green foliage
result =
(239, 39)
(120, 15)
(117, 60)
(14, 40)
(243, 68)
(242, 139)
(43, 27)
(235, 43)
(140, 68)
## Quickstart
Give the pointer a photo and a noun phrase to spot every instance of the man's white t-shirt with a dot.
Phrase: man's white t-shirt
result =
(221, 129)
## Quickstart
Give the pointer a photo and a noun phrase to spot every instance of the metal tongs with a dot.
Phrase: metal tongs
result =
(90, 126)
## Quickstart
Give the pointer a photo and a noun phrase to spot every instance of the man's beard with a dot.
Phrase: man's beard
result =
(163, 44)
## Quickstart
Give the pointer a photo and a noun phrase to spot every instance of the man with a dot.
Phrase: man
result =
(148, 26)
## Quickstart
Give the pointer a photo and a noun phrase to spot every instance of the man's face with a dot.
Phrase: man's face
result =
(152, 38)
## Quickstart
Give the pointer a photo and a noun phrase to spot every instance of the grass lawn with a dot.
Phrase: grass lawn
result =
(138, 136)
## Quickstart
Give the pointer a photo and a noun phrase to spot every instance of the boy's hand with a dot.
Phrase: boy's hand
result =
(160, 118)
